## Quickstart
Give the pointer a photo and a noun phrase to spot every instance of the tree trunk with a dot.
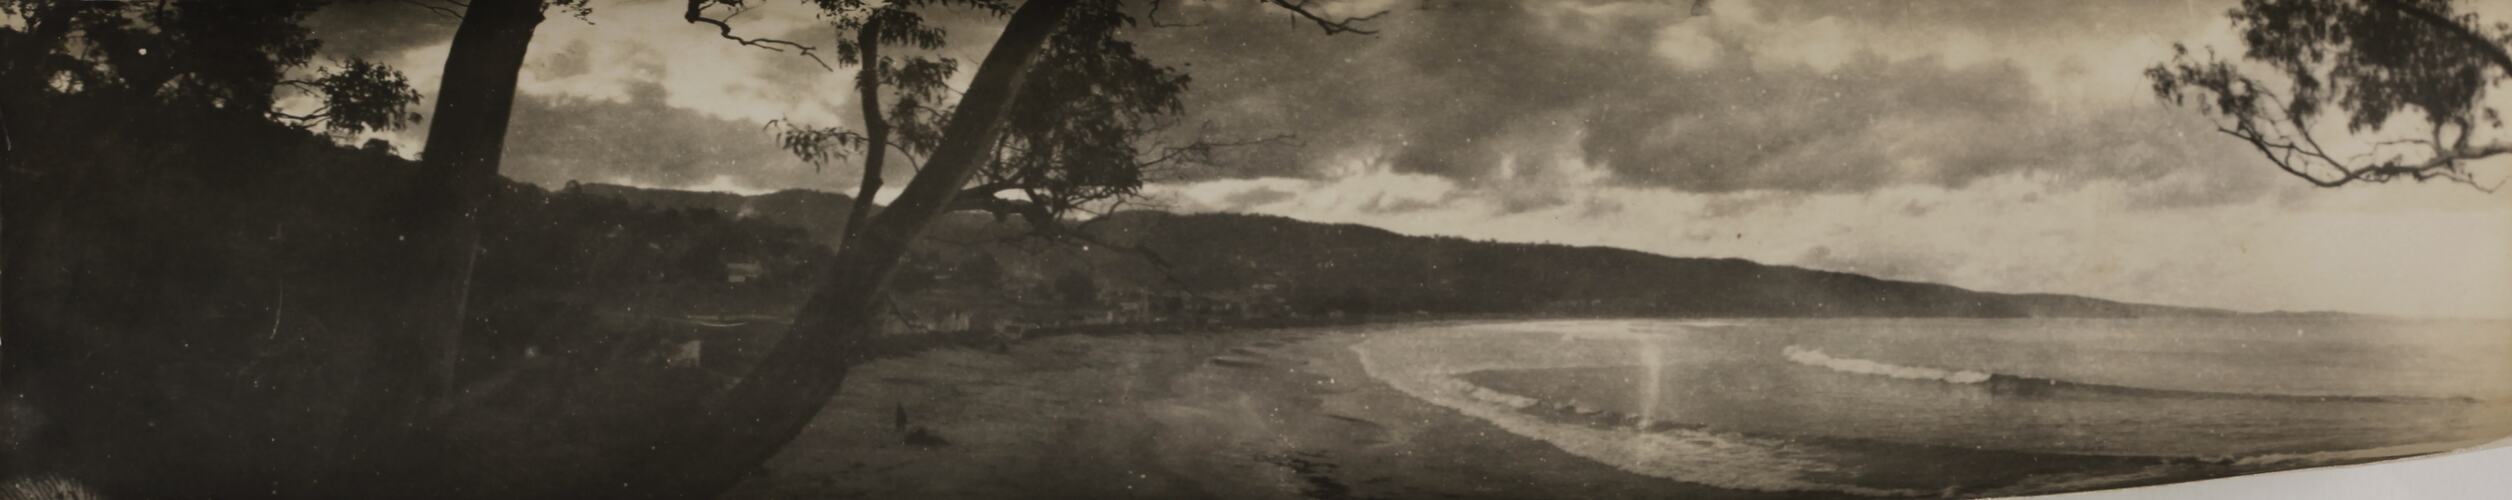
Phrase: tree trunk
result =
(773, 404)
(411, 358)
(876, 128)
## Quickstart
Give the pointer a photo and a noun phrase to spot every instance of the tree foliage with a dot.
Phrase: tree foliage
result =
(1095, 123)
(2379, 65)
(363, 294)
(358, 97)
(220, 55)
(1078, 137)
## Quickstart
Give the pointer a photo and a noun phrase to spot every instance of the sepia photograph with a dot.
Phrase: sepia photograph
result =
(1255, 249)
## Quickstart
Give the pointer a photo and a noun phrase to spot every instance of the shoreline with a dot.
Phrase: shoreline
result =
(1235, 413)
(1285, 413)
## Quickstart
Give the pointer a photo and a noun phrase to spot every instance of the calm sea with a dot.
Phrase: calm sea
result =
(1966, 407)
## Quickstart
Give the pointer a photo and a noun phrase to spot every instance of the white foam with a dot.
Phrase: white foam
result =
(1708, 323)
(1701, 457)
(1813, 357)
(2076, 481)
(2341, 456)
(1512, 401)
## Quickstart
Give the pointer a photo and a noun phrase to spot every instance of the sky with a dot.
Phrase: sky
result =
(2008, 146)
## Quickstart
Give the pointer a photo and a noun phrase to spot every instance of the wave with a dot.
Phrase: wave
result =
(1691, 455)
(2343, 456)
(2025, 386)
(1813, 357)
(1854, 455)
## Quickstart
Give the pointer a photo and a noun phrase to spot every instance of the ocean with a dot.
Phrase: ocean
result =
(1967, 407)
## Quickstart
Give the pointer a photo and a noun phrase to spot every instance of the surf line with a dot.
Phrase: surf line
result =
(2030, 385)
(1816, 357)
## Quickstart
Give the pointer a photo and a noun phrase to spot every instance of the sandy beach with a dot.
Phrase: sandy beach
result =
(1250, 414)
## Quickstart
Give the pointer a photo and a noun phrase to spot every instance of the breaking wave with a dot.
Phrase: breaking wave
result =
(1692, 455)
(1814, 357)
(2018, 385)
(2342, 456)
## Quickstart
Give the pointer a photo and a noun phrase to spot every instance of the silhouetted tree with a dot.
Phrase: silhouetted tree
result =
(178, 61)
(223, 55)
(402, 412)
(2379, 64)
(773, 403)
(920, 81)
(439, 212)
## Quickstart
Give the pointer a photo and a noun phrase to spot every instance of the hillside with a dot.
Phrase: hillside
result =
(1312, 263)
(1457, 275)
(820, 214)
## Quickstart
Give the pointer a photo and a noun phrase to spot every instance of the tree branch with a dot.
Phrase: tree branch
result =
(2446, 164)
(1331, 26)
(876, 129)
(696, 13)
(438, 9)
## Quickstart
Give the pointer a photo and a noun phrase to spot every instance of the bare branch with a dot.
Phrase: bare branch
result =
(441, 10)
(1331, 26)
(696, 13)
(306, 121)
(2248, 109)
(2299, 159)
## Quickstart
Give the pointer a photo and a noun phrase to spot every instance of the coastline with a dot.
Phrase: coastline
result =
(1301, 413)
(1286, 413)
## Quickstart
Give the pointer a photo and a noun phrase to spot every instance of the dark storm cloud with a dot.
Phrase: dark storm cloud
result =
(377, 29)
(1462, 89)
(1448, 92)
(1520, 103)
(2005, 20)
(1867, 124)
(1872, 123)
(643, 140)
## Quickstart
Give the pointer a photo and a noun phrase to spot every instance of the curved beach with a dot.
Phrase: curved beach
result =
(1372, 411)
(1255, 414)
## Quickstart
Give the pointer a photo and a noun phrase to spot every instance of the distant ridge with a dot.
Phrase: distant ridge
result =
(1239, 253)
(820, 213)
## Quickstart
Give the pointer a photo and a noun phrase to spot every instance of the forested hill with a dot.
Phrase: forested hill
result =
(1446, 273)
(1306, 262)
(821, 214)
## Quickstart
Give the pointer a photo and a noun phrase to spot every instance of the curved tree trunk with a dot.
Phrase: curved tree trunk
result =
(770, 406)
(412, 357)
(876, 128)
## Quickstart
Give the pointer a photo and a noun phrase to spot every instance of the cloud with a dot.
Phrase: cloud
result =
(1526, 105)
(1781, 95)
(2000, 145)
(1255, 197)
(377, 30)
(642, 139)
(633, 93)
